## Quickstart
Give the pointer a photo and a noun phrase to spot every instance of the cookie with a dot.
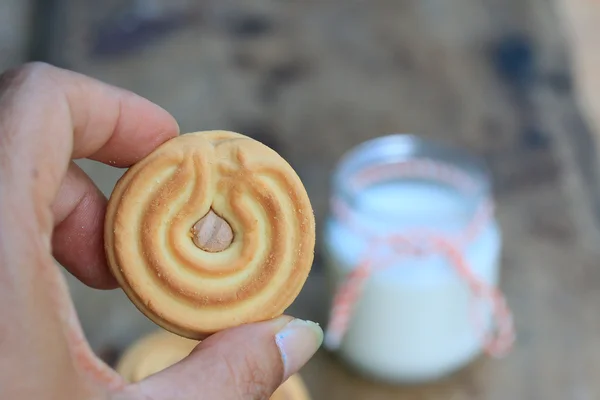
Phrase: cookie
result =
(210, 231)
(153, 353)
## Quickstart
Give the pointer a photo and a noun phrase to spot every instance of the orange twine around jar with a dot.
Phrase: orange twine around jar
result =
(497, 341)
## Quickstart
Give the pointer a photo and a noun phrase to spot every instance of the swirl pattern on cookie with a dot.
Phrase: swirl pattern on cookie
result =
(155, 216)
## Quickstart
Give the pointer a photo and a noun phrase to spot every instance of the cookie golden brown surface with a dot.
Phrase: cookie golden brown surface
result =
(152, 354)
(159, 350)
(292, 389)
(210, 231)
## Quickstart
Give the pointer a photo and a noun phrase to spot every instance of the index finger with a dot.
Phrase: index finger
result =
(107, 124)
(47, 117)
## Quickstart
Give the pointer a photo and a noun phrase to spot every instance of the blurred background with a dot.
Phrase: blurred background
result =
(510, 80)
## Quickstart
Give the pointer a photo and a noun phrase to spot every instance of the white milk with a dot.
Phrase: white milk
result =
(413, 321)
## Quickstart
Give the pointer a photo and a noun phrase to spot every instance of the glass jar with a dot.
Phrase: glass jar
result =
(412, 256)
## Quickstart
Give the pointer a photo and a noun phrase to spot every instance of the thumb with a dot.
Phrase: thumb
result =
(248, 362)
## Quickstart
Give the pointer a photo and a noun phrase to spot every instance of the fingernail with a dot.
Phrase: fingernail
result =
(298, 341)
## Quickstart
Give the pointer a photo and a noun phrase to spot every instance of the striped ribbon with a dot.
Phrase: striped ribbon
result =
(498, 340)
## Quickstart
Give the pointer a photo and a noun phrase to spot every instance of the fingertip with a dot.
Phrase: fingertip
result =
(110, 124)
(139, 128)
(297, 342)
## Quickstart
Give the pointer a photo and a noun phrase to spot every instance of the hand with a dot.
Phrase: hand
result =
(49, 207)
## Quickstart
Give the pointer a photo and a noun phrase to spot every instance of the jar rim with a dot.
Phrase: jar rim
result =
(402, 147)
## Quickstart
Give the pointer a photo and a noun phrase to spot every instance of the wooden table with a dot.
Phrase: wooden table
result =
(314, 78)
(553, 286)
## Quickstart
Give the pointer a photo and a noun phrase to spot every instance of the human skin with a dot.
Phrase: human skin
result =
(51, 210)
